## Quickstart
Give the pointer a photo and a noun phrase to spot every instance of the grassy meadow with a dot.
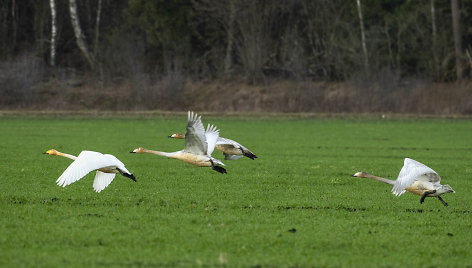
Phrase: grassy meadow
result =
(294, 206)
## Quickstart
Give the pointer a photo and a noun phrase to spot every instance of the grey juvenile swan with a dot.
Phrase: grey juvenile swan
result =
(415, 178)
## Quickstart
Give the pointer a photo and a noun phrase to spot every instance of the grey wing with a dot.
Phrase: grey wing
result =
(231, 143)
(228, 142)
(412, 171)
(195, 140)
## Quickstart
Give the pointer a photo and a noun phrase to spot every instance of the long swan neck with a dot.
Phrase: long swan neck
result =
(159, 153)
(67, 155)
(387, 181)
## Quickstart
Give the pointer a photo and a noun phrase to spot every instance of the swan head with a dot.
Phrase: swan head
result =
(138, 150)
(360, 174)
(51, 152)
(444, 189)
(177, 136)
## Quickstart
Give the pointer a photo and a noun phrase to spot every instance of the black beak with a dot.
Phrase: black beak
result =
(44, 153)
(169, 136)
(352, 175)
(132, 152)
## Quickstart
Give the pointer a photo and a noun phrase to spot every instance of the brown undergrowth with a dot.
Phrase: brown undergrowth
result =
(276, 95)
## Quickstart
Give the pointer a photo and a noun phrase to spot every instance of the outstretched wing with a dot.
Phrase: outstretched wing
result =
(234, 145)
(195, 141)
(102, 180)
(225, 141)
(86, 162)
(211, 135)
(412, 171)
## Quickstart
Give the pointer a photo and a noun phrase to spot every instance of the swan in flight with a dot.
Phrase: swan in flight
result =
(415, 178)
(232, 150)
(199, 144)
(106, 165)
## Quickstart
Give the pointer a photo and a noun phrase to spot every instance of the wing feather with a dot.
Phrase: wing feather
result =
(211, 135)
(86, 162)
(195, 141)
(225, 141)
(412, 171)
(102, 180)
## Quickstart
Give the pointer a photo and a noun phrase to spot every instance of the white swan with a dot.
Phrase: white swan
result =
(232, 150)
(199, 144)
(106, 165)
(415, 178)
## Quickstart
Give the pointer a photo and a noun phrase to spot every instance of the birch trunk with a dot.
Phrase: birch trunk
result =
(364, 46)
(53, 33)
(79, 36)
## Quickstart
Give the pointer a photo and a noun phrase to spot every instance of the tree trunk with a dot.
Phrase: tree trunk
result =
(14, 23)
(457, 38)
(364, 47)
(97, 27)
(79, 36)
(53, 32)
(230, 38)
(434, 32)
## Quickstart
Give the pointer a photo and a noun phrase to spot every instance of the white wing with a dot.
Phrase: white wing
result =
(211, 135)
(225, 141)
(412, 171)
(86, 162)
(102, 180)
(195, 141)
(112, 161)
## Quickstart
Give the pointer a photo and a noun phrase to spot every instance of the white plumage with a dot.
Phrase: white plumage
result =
(106, 165)
(199, 145)
(416, 178)
(231, 149)
(412, 171)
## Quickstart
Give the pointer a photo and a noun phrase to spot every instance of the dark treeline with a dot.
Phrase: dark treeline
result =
(142, 43)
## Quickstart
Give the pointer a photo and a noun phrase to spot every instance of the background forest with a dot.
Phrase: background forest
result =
(237, 55)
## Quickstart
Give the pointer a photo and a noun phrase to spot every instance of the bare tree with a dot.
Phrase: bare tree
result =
(364, 47)
(97, 27)
(253, 42)
(52, 4)
(434, 37)
(457, 38)
(79, 36)
(230, 38)
(14, 22)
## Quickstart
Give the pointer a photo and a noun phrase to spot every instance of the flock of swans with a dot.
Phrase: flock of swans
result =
(199, 145)
(414, 176)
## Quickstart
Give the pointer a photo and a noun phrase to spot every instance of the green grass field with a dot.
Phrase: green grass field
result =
(294, 206)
